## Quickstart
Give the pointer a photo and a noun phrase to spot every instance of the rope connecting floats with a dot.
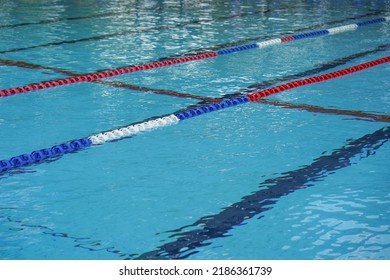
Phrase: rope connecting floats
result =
(157, 64)
(131, 130)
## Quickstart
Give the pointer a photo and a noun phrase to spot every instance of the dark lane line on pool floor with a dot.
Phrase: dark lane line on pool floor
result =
(361, 115)
(87, 243)
(117, 84)
(29, 65)
(55, 20)
(271, 190)
(158, 91)
(48, 21)
(143, 30)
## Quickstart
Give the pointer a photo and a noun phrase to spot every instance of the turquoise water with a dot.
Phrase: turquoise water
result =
(173, 192)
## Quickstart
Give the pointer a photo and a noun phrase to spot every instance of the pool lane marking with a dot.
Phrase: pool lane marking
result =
(305, 35)
(134, 31)
(134, 129)
(173, 61)
(29, 65)
(158, 91)
(323, 110)
(81, 242)
(48, 21)
(271, 191)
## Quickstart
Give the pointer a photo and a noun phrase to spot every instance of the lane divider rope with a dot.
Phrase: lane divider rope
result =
(157, 64)
(316, 79)
(131, 130)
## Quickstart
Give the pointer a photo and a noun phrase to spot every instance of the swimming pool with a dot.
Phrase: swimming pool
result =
(301, 174)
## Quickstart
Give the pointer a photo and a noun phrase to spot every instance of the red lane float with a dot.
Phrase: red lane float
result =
(288, 38)
(316, 79)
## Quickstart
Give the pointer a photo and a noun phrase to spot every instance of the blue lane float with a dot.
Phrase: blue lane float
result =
(237, 49)
(211, 107)
(310, 34)
(43, 154)
(372, 21)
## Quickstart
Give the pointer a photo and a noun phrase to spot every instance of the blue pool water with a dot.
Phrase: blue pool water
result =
(256, 181)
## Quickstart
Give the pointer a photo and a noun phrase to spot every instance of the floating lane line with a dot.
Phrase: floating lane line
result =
(187, 58)
(134, 129)
(310, 34)
(330, 31)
